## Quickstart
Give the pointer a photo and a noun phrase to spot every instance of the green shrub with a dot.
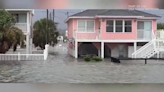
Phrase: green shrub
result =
(97, 59)
(87, 58)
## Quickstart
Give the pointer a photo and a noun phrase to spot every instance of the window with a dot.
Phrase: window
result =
(109, 27)
(128, 26)
(81, 25)
(85, 26)
(20, 18)
(119, 24)
(90, 26)
(140, 25)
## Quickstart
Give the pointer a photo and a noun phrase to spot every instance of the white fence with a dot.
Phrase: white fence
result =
(25, 57)
(72, 52)
(59, 48)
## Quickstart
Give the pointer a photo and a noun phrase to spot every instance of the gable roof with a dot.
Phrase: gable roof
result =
(114, 12)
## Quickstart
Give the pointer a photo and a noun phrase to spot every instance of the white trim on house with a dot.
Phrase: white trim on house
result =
(119, 16)
(29, 10)
(78, 17)
(111, 41)
(138, 17)
(151, 18)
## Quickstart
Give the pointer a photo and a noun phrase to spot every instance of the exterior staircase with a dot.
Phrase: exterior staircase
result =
(152, 48)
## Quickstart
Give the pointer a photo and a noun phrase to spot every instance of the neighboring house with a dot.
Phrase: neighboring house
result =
(106, 33)
(66, 33)
(24, 22)
(60, 38)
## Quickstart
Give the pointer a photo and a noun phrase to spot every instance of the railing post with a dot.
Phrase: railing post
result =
(46, 52)
(19, 57)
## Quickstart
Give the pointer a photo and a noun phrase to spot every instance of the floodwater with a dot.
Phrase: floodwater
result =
(61, 68)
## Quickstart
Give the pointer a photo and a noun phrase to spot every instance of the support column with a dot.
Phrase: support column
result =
(135, 47)
(76, 49)
(27, 44)
(158, 55)
(102, 49)
(99, 53)
(28, 35)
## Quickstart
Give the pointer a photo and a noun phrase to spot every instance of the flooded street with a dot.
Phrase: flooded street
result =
(61, 68)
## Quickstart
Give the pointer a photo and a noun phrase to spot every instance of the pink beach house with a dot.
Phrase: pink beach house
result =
(112, 33)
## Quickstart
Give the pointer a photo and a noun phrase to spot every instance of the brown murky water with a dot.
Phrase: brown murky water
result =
(61, 68)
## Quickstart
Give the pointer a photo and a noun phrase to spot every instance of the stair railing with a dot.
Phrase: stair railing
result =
(147, 47)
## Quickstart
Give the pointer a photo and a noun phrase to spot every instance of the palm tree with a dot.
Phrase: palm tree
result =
(9, 35)
(45, 32)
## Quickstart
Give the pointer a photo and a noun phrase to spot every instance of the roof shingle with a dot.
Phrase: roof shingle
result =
(114, 12)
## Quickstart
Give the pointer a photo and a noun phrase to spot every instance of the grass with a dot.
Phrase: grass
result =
(93, 59)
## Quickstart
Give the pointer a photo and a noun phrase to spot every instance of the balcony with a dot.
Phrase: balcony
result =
(144, 35)
(87, 35)
(22, 26)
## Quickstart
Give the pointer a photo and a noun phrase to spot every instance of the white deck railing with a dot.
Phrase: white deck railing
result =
(144, 35)
(156, 44)
(21, 57)
(146, 48)
(22, 26)
(87, 35)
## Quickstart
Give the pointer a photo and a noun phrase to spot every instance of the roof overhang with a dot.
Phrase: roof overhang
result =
(84, 17)
(128, 17)
(21, 10)
(118, 16)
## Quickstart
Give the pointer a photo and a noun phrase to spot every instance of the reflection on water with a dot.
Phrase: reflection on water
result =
(81, 87)
(61, 68)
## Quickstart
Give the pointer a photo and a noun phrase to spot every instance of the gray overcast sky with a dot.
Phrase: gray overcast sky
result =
(60, 15)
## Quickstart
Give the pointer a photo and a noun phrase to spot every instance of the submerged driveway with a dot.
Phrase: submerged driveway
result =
(61, 68)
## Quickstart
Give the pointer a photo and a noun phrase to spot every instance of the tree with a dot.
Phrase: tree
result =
(160, 26)
(45, 32)
(9, 35)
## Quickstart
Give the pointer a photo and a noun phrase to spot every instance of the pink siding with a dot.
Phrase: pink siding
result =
(87, 35)
(119, 36)
(72, 26)
(154, 25)
(70, 32)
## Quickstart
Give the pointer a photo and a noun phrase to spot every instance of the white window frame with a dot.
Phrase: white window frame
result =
(123, 26)
(85, 31)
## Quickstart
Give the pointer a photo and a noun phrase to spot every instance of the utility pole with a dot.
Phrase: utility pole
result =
(67, 14)
(53, 15)
(50, 16)
(47, 14)
(47, 28)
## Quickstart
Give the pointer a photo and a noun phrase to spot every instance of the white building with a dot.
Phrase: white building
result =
(24, 22)
(60, 38)
(66, 33)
